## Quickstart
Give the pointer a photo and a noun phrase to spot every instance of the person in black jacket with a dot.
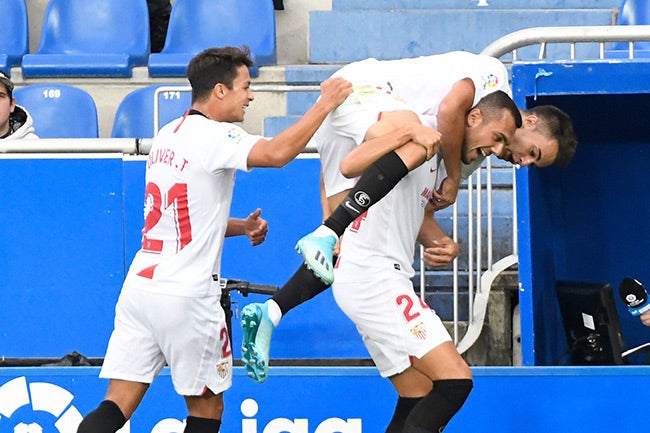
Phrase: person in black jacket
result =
(159, 12)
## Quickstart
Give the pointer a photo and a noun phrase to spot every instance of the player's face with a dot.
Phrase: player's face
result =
(240, 95)
(531, 147)
(7, 105)
(487, 137)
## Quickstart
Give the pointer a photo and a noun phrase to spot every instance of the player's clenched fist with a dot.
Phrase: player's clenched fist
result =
(440, 253)
(427, 137)
(333, 92)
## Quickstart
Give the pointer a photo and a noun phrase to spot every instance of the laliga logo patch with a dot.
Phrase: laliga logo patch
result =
(234, 133)
(49, 407)
(490, 81)
(362, 199)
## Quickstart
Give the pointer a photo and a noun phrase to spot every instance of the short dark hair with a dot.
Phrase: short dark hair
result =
(9, 85)
(216, 65)
(556, 124)
(492, 105)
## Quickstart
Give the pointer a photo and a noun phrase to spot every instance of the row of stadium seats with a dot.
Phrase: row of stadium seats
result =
(65, 111)
(108, 38)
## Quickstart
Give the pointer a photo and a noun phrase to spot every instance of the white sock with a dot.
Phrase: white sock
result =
(275, 314)
(324, 231)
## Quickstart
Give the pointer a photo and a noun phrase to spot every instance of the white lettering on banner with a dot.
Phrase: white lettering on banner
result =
(45, 397)
(169, 425)
(52, 399)
(249, 408)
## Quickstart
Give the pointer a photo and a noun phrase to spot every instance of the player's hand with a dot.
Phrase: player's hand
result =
(334, 91)
(337, 247)
(256, 227)
(440, 253)
(427, 137)
(446, 195)
(645, 318)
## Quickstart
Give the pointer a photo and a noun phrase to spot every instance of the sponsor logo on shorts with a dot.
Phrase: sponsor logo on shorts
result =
(419, 331)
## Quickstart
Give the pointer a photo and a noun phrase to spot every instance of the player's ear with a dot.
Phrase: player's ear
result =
(220, 90)
(474, 117)
(530, 121)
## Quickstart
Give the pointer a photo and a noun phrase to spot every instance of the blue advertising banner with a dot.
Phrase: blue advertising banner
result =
(341, 400)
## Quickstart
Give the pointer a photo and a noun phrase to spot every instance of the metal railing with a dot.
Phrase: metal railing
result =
(486, 272)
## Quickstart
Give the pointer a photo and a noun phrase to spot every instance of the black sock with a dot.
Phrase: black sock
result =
(373, 185)
(437, 408)
(195, 424)
(301, 287)
(402, 410)
(107, 418)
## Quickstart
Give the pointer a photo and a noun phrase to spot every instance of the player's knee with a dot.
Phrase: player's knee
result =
(455, 390)
(434, 411)
(107, 418)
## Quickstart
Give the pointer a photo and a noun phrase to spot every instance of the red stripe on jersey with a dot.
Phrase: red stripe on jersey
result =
(181, 122)
(379, 116)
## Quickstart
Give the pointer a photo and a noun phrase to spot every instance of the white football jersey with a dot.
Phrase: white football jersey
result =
(383, 238)
(418, 84)
(422, 82)
(190, 176)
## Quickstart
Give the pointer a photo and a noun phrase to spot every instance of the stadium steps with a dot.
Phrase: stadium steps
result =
(400, 33)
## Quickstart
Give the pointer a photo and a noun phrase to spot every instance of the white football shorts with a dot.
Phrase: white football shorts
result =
(391, 319)
(187, 333)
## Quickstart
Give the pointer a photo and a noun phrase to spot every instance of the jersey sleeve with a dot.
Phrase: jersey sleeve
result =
(229, 148)
(489, 76)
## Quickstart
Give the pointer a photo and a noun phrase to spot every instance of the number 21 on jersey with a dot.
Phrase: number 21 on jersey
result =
(155, 204)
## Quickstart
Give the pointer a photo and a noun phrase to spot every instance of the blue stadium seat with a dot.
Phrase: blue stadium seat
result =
(632, 13)
(134, 117)
(59, 110)
(14, 43)
(82, 38)
(195, 25)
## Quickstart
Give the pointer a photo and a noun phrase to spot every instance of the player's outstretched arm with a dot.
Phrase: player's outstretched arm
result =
(254, 227)
(283, 148)
(396, 130)
(451, 124)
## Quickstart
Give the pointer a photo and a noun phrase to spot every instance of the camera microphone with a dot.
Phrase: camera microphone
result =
(634, 295)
